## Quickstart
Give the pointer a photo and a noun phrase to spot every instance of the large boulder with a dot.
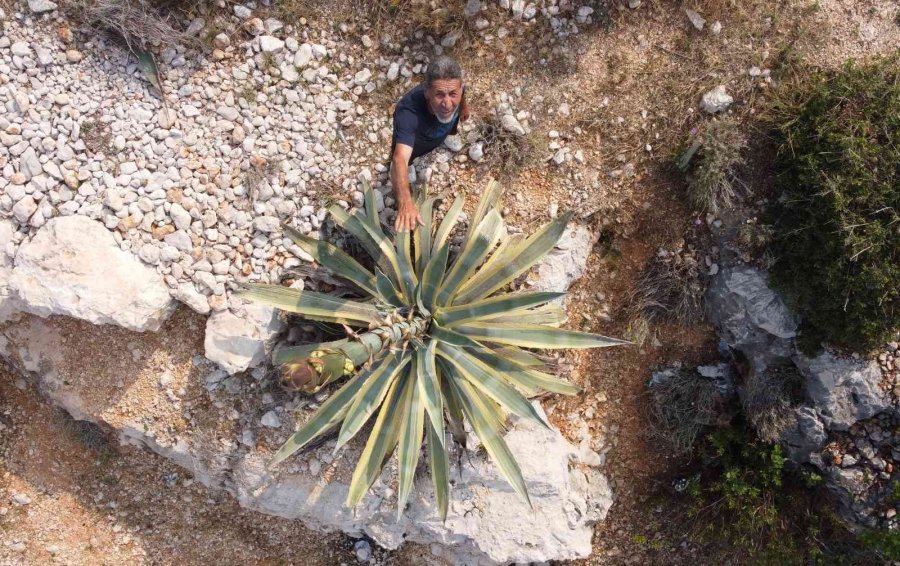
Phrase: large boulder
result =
(224, 431)
(8, 302)
(487, 522)
(750, 317)
(843, 391)
(844, 424)
(74, 267)
(242, 340)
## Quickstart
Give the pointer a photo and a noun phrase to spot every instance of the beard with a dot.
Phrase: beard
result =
(446, 120)
(449, 118)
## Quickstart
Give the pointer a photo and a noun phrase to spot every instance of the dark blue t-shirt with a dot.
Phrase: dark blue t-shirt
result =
(416, 126)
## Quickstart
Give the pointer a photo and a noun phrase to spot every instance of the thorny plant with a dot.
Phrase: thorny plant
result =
(431, 341)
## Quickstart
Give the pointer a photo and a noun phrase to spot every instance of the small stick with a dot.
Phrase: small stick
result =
(675, 53)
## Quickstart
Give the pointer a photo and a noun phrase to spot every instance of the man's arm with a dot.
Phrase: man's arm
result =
(407, 213)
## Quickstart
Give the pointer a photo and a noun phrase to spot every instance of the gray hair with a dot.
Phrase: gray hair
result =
(442, 68)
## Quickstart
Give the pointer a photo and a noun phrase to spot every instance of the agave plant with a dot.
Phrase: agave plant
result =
(432, 342)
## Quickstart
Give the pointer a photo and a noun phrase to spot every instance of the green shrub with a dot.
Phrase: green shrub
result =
(746, 507)
(837, 217)
(885, 543)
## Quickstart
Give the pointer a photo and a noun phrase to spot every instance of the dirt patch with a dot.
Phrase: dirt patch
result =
(93, 501)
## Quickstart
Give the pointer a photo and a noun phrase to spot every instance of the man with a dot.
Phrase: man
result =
(424, 117)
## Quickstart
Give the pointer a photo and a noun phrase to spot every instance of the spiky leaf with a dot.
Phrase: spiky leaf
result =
(315, 306)
(447, 224)
(474, 252)
(439, 462)
(329, 415)
(482, 377)
(528, 253)
(382, 440)
(370, 395)
(430, 387)
(336, 260)
(478, 413)
(493, 306)
(410, 438)
(534, 336)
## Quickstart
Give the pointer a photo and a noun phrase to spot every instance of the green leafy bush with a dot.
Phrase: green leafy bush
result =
(746, 507)
(837, 218)
(885, 543)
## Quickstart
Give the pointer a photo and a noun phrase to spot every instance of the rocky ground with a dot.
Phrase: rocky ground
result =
(273, 117)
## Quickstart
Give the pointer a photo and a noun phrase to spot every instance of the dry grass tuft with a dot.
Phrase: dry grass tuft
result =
(713, 184)
(432, 16)
(766, 400)
(146, 22)
(682, 405)
(504, 152)
(670, 289)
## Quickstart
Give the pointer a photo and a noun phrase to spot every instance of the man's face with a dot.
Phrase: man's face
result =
(443, 97)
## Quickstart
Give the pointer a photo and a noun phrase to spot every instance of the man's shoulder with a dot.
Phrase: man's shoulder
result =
(414, 99)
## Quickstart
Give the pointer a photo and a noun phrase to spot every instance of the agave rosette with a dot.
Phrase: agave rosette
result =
(435, 341)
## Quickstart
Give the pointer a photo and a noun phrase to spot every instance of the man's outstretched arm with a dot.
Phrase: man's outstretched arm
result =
(407, 213)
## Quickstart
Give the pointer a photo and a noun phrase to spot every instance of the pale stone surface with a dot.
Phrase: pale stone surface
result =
(41, 6)
(74, 267)
(8, 302)
(187, 293)
(843, 390)
(566, 261)
(716, 100)
(750, 317)
(241, 341)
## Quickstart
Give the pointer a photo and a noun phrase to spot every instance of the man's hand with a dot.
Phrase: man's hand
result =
(407, 217)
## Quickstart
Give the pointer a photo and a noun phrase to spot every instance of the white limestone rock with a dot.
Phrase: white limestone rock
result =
(270, 44)
(41, 6)
(188, 294)
(476, 151)
(843, 391)
(23, 209)
(303, 55)
(454, 143)
(716, 100)
(566, 262)
(696, 19)
(8, 303)
(239, 341)
(512, 125)
(73, 266)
